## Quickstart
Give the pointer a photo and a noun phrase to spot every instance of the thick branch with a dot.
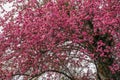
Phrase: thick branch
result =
(60, 72)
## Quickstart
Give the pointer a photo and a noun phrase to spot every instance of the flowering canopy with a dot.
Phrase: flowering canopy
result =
(59, 36)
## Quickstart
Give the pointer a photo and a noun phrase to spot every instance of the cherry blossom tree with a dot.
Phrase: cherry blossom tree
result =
(61, 39)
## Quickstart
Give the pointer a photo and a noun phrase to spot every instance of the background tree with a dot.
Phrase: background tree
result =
(62, 37)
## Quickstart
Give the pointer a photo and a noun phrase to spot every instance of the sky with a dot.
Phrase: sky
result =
(7, 7)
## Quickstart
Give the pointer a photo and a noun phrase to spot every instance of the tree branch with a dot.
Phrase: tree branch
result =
(60, 72)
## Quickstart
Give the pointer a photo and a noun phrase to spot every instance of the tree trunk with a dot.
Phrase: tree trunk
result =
(104, 72)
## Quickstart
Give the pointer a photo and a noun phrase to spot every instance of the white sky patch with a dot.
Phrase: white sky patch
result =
(8, 6)
(1, 29)
(100, 7)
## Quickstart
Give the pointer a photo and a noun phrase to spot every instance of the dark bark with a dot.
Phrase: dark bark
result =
(103, 63)
(56, 71)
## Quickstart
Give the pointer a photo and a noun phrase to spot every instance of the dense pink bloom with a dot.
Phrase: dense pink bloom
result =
(60, 36)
